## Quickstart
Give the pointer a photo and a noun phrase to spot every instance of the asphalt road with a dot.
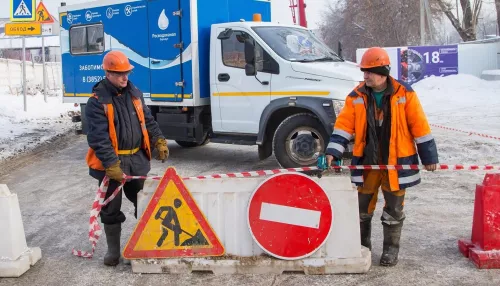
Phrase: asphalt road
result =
(55, 193)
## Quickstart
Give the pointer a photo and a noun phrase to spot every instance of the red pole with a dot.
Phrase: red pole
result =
(302, 13)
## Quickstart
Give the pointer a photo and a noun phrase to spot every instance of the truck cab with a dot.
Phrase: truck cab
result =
(214, 72)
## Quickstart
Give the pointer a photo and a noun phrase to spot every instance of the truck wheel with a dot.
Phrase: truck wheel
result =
(297, 140)
(188, 144)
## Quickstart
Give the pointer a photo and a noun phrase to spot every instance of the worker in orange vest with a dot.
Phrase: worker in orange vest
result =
(120, 127)
(389, 127)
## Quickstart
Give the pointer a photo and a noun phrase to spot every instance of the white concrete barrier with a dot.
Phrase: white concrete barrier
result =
(15, 256)
(224, 203)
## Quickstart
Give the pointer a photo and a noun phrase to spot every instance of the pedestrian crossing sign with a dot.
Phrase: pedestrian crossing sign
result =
(42, 14)
(22, 10)
(172, 225)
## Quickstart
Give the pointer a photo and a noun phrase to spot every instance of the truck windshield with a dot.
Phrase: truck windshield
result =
(296, 44)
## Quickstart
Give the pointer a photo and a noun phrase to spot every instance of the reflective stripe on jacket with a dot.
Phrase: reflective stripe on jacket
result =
(409, 127)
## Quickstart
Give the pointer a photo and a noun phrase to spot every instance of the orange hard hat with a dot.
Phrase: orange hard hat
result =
(116, 61)
(374, 57)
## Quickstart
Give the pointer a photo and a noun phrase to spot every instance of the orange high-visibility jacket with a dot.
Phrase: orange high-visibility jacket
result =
(91, 158)
(410, 132)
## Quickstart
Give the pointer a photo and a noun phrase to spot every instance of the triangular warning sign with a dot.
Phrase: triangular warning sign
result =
(22, 10)
(172, 225)
(42, 15)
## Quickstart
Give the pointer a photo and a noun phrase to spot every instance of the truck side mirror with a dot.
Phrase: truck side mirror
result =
(250, 58)
(250, 69)
(249, 52)
(226, 34)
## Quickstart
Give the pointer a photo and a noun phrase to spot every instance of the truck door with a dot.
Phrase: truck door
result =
(165, 51)
(241, 98)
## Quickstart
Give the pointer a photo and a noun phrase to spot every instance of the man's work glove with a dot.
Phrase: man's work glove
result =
(161, 146)
(115, 172)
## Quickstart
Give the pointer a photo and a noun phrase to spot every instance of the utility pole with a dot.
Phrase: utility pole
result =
(25, 100)
(422, 23)
(44, 85)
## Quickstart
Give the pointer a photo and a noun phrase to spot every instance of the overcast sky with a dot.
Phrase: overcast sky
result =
(280, 11)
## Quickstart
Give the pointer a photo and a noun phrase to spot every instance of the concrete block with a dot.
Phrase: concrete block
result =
(15, 256)
(224, 203)
(15, 268)
(255, 265)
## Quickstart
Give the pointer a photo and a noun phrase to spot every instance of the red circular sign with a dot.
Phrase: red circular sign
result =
(290, 216)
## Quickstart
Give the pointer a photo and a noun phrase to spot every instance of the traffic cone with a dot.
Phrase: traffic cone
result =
(483, 249)
(15, 256)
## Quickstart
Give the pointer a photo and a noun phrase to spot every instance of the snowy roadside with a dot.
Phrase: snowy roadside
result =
(22, 131)
(467, 103)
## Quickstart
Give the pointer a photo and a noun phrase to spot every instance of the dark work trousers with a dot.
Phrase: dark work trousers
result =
(133, 165)
(111, 213)
(367, 196)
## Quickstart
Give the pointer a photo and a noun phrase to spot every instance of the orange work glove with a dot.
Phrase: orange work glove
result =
(161, 146)
(115, 172)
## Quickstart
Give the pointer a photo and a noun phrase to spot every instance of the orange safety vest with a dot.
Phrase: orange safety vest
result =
(409, 126)
(91, 158)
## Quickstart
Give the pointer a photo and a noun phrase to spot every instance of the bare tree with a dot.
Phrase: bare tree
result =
(497, 4)
(365, 23)
(470, 15)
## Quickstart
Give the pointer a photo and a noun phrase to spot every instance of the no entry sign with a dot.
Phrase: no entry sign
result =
(290, 216)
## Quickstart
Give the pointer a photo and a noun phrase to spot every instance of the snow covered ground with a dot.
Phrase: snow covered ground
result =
(22, 131)
(467, 103)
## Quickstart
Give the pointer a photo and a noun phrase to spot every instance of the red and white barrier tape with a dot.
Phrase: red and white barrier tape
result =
(94, 227)
(468, 132)
(95, 230)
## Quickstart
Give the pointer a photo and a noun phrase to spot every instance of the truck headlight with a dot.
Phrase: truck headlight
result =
(337, 106)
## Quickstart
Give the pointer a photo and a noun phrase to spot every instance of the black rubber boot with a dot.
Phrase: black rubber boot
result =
(392, 234)
(365, 227)
(113, 232)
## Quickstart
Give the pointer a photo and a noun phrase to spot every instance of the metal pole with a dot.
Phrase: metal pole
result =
(422, 23)
(429, 20)
(44, 85)
(24, 75)
(44, 70)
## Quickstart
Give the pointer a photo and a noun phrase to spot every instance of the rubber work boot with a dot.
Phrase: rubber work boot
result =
(366, 231)
(113, 232)
(365, 228)
(392, 234)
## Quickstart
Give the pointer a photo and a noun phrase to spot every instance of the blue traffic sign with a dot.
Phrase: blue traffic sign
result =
(22, 10)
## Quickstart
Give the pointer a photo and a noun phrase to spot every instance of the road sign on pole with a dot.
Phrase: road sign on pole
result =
(23, 29)
(42, 14)
(22, 10)
(290, 216)
(172, 225)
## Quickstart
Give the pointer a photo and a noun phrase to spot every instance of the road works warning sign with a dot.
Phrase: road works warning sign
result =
(42, 14)
(172, 225)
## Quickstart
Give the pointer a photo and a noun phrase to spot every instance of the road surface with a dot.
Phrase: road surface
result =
(55, 193)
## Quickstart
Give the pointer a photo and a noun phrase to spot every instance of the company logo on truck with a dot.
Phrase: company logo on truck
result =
(110, 12)
(89, 15)
(128, 10)
(70, 18)
(163, 24)
(163, 20)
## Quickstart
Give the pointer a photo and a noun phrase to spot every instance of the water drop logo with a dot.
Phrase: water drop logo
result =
(163, 21)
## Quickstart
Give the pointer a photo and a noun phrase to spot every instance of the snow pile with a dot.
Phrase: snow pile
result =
(467, 103)
(21, 131)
